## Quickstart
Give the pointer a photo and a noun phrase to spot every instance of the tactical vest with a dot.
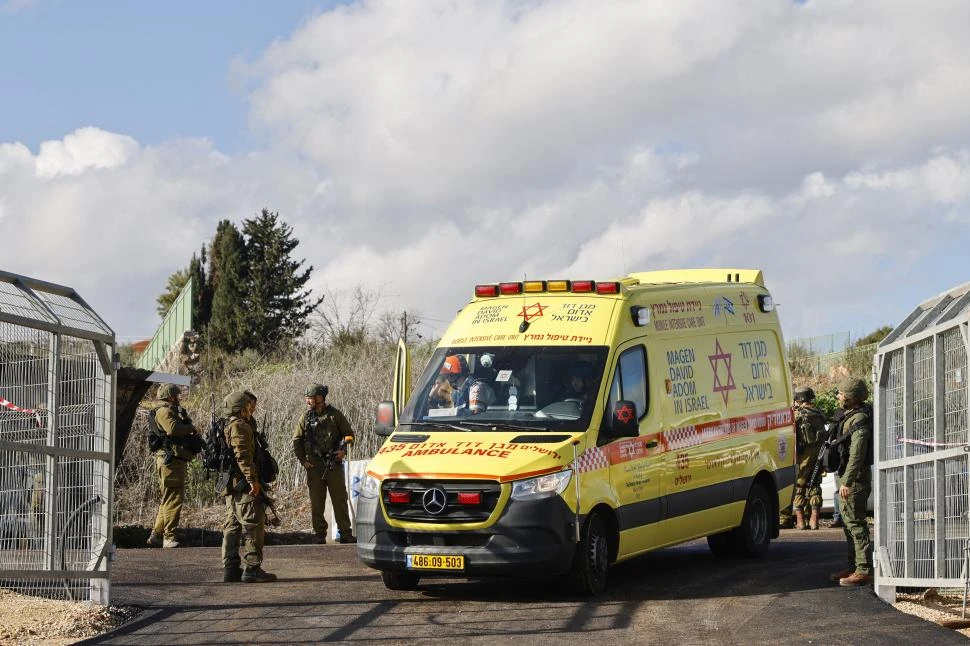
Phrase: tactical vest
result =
(861, 414)
(319, 437)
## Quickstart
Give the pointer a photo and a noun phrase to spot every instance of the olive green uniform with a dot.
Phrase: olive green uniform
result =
(316, 436)
(810, 433)
(244, 513)
(171, 476)
(857, 476)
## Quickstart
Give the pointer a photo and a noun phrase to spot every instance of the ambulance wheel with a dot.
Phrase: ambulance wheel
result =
(400, 580)
(753, 537)
(592, 558)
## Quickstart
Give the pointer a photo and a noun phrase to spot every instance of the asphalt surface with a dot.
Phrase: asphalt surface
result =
(680, 595)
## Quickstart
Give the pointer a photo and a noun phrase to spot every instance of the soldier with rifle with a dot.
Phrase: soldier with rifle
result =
(320, 444)
(175, 441)
(244, 493)
(809, 436)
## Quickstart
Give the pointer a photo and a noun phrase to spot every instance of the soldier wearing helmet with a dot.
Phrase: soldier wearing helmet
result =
(245, 507)
(809, 435)
(854, 437)
(320, 444)
(182, 443)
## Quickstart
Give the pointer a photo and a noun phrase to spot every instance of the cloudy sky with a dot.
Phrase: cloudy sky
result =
(420, 147)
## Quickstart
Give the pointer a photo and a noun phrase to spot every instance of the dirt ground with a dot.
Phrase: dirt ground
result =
(30, 620)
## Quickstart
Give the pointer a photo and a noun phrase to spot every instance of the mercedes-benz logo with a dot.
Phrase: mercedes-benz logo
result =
(434, 500)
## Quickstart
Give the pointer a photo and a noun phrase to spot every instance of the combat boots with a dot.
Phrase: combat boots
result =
(855, 579)
(838, 576)
(257, 575)
(813, 520)
(799, 519)
(232, 575)
(348, 538)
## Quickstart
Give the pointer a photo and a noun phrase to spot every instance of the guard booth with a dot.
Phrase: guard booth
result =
(57, 403)
(920, 374)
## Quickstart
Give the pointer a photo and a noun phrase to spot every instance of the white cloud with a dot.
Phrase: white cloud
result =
(429, 146)
(84, 149)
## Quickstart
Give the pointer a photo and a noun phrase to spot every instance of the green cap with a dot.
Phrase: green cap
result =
(235, 401)
(854, 388)
(316, 389)
(168, 391)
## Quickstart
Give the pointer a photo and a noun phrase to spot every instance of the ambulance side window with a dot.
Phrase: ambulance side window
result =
(630, 381)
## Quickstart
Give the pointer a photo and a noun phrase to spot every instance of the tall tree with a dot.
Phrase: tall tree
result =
(176, 283)
(279, 306)
(229, 278)
(202, 307)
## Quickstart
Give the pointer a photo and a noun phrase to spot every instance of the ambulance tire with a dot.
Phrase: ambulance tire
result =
(400, 580)
(752, 538)
(592, 558)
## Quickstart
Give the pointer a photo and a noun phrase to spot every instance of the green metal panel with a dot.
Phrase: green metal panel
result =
(177, 322)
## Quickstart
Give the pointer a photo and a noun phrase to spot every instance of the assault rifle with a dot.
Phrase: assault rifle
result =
(828, 445)
(243, 487)
(330, 461)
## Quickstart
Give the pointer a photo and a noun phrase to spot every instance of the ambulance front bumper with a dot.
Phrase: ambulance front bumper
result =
(530, 538)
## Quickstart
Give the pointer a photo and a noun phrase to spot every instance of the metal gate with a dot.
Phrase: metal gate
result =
(57, 392)
(921, 483)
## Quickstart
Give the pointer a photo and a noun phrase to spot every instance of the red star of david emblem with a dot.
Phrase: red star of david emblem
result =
(533, 311)
(715, 359)
(624, 414)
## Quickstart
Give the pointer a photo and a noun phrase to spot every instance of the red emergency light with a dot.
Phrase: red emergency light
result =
(399, 497)
(607, 288)
(508, 289)
(486, 291)
(470, 498)
(583, 286)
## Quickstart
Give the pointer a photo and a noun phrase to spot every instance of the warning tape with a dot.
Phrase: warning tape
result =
(4, 402)
(28, 411)
(923, 443)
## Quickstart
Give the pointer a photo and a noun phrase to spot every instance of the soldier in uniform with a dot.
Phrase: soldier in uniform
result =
(855, 480)
(809, 435)
(245, 510)
(318, 445)
(171, 464)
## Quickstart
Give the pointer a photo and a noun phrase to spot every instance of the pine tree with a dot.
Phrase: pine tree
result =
(202, 307)
(278, 304)
(228, 277)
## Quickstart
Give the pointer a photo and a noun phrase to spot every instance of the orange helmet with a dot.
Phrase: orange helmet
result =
(454, 365)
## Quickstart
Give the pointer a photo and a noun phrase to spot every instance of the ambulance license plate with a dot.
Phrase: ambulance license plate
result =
(434, 562)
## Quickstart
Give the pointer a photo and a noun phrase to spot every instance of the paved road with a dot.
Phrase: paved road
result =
(680, 595)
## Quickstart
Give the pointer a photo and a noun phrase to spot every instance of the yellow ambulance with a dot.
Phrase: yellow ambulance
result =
(564, 425)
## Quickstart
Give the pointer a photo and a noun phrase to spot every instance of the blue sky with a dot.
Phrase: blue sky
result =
(419, 147)
(154, 71)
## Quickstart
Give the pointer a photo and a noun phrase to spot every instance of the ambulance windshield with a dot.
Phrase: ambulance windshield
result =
(547, 387)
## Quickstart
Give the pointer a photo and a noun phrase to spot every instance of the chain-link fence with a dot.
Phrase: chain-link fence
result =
(921, 458)
(57, 394)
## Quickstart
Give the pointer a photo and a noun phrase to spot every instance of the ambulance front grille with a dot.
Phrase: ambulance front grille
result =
(436, 501)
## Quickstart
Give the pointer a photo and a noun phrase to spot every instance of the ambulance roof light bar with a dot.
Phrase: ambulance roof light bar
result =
(547, 286)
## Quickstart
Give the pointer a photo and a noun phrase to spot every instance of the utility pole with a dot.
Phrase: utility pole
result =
(404, 326)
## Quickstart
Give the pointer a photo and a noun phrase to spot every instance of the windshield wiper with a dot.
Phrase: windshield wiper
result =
(498, 424)
(453, 427)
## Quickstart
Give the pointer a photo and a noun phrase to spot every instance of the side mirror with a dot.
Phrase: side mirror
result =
(624, 421)
(385, 419)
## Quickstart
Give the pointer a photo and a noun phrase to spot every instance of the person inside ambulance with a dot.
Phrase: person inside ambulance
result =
(455, 387)
(578, 387)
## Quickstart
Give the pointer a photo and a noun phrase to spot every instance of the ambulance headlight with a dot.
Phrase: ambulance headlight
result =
(370, 487)
(542, 487)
